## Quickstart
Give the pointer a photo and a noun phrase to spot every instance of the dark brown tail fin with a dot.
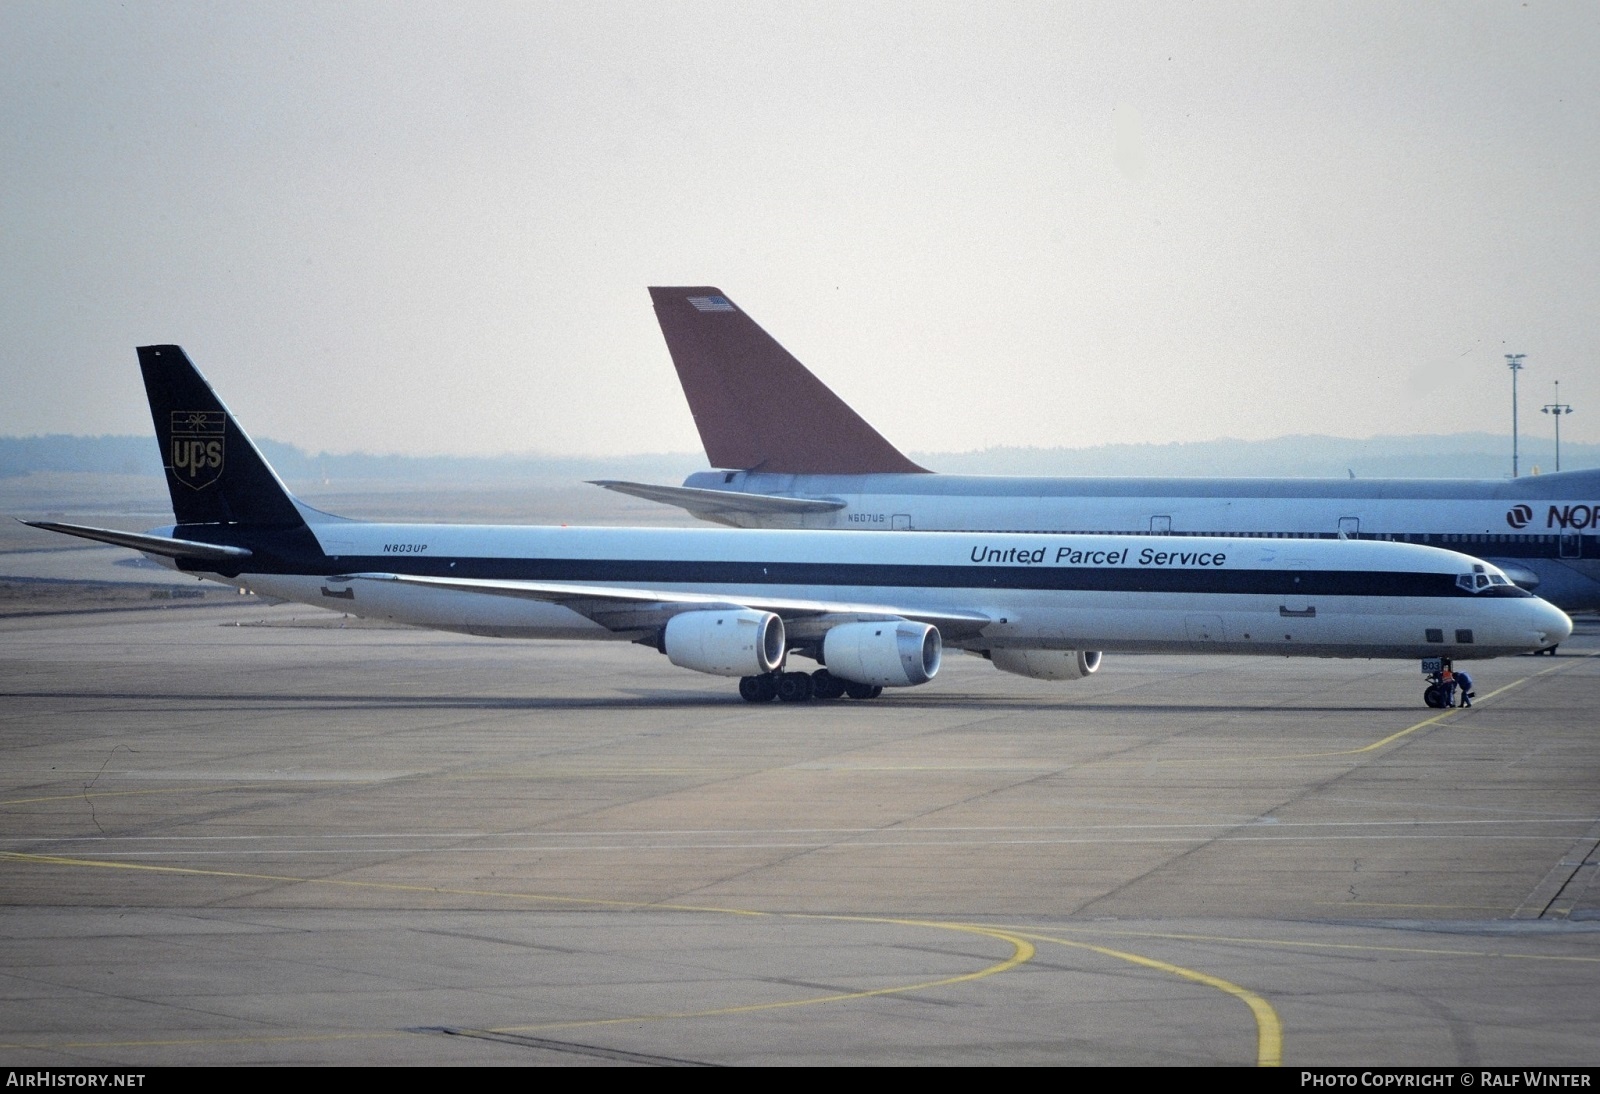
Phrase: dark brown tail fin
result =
(757, 408)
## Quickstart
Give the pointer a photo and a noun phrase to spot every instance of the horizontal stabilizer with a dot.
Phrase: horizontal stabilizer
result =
(620, 607)
(139, 541)
(715, 504)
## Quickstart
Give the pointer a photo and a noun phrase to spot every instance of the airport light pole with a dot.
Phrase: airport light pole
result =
(1514, 363)
(1558, 408)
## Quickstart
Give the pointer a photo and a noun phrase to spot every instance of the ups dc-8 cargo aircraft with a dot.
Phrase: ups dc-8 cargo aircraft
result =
(874, 610)
(793, 455)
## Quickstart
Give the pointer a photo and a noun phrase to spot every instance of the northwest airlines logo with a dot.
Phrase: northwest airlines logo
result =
(1567, 517)
(197, 446)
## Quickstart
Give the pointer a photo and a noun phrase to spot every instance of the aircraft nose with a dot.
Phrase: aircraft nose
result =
(1551, 625)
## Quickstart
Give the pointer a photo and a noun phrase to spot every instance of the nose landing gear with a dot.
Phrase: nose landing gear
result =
(1441, 690)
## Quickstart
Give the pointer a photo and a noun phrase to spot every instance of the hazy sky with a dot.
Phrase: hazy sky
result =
(429, 228)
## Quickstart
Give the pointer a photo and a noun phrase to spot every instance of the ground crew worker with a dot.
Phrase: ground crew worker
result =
(1464, 682)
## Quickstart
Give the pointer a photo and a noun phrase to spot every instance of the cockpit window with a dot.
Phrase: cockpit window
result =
(1482, 584)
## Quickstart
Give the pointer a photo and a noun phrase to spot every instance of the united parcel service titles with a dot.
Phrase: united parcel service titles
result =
(1074, 556)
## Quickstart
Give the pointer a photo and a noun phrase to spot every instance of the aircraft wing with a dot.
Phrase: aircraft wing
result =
(717, 505)
(140, 541)
(621, 608)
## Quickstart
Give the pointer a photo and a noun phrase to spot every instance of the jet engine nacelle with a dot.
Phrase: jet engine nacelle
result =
(893, 654)
(741, 643)
(1047, 664)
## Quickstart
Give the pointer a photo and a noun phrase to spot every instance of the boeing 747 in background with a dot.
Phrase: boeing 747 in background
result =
(791, 454)
(875, 610)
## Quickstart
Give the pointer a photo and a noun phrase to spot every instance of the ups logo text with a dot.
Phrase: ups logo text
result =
(198, 448)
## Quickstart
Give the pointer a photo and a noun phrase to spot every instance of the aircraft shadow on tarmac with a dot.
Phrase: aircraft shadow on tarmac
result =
(635, 699)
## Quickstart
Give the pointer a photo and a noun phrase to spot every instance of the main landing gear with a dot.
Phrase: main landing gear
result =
(800, 687)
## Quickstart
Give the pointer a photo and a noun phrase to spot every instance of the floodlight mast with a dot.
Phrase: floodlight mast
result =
(1557, 409)
(1514, 363)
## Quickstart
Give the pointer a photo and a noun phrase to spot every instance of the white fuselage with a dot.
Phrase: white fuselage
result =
(1117, 593)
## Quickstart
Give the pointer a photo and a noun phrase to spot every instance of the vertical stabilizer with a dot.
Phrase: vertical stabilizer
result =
(214, 473)
(756, 406)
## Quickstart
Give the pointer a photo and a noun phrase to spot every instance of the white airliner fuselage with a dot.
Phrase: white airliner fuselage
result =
(1036, 592)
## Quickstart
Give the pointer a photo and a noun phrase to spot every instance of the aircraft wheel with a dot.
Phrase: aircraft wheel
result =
(863, 691)
(1434, 696)
(757, 689)
(825, 685)
(794, 687)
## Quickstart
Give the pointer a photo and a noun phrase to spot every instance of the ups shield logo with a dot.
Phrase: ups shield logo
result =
(197, 447)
